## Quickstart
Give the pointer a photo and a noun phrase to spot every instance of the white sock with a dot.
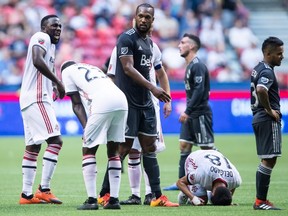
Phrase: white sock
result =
(89, 170)
(134, 173)
(50, 159)
(29, 167)
(114, 171)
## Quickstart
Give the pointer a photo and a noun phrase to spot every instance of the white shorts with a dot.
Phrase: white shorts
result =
(104, 127)
(160, 144)
(40, 123)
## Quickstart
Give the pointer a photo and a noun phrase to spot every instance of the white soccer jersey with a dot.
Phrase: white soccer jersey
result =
(205, 166)
(156, 62)
(95, 86)
(35, 86)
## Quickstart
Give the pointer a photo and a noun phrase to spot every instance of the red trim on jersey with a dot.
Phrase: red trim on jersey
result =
(220, 180)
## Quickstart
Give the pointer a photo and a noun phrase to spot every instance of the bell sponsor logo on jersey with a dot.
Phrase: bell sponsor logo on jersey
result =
(124, 50)
(145, 61)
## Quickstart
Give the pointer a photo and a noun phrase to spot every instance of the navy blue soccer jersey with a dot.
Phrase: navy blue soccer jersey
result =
(130, 43)
(197, 87)
(263, 75)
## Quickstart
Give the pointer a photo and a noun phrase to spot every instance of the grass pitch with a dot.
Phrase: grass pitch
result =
(68, 184)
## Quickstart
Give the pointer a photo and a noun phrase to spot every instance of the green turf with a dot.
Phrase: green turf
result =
(68, 184)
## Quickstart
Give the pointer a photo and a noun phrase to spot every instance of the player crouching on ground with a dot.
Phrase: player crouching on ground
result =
(208, 170)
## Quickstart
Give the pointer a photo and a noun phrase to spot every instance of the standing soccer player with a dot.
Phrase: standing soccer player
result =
(134, 55)
(265, 105)
(39, 119)
(196, 120)
(134, 159)
(86, 85)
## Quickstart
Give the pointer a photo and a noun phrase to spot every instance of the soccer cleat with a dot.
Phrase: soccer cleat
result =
(171, 187)
(132, 200)
(264, 205)
(163, 201)
(148, 198)
(47, 196)
(112, 204)
(89, 204)
(30, 200)
(104, 199)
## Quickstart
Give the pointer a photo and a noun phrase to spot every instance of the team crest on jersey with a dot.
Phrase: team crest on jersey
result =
(264, 80)
(124, 50)
(198, 79)
(41, 41)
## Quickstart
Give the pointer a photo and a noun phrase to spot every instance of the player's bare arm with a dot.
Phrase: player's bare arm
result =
(164, 83)
(182, 184)
(78, 108)
(38, 54)
(127, 64)
(264, 100)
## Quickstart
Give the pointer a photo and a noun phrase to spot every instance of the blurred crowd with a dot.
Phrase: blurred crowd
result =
(90, 30)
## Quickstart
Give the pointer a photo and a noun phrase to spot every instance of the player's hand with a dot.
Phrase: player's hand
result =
(55, 93)
(197, 201)
(274, 114)
(61, 89)
(183, 117)
(167, 108)
(161, 94)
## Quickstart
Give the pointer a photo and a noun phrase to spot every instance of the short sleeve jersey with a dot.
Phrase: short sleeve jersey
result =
(92, 84)
(130, 43)
(263, 75)
(156, 62)
(35, 86)
(197, 87)
(205, 166)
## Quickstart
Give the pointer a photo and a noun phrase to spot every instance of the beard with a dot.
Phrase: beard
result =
(185, 54)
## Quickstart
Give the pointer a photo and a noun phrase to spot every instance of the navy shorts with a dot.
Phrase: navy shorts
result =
(141, 121)
(198, 131)
(268, 139)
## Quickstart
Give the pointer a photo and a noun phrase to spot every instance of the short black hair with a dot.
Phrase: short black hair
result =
(222, 196)
(46, 18)
(194, 38)
(67, 64)
(146, 5)
(271, 43)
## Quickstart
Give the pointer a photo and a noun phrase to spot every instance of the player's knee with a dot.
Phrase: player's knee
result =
(55, 140)
(149, 148)
(185, 147)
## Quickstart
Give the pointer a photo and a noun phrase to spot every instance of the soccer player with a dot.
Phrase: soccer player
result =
(134, 158)
(106, 122)
(265, 105)
(212, 171)
(196, 120)
(39, 119)
(134, 55)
